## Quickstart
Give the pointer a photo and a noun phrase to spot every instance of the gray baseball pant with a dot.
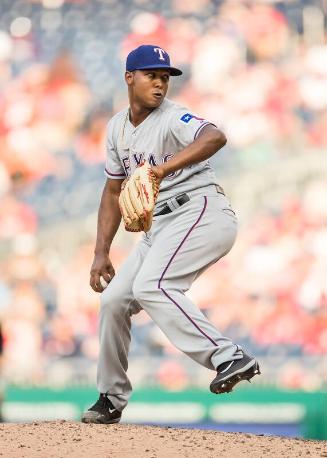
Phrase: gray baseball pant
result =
(155, 276)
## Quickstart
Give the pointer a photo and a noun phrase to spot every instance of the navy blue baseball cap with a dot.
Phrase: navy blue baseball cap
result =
(149, 56)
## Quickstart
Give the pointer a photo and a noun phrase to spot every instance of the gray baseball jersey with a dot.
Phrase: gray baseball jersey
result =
(165, 132)
(179, 247)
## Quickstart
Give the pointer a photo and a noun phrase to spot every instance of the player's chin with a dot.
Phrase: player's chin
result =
(154, 102)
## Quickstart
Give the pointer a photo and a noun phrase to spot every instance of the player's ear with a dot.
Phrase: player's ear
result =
(129, 77)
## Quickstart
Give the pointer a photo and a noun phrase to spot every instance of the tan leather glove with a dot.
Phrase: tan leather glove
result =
(138, 197)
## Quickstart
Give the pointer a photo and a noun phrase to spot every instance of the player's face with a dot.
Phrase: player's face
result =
(148, 87)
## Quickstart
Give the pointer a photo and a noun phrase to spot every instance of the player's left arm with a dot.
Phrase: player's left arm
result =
(208, 142)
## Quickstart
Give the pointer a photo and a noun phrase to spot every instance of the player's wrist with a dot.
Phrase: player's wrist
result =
(159, 171)
(102, 250)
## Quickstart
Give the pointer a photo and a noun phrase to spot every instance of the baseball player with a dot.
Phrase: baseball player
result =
(193, 227)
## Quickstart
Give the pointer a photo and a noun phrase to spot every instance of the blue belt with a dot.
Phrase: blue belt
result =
(181, 200)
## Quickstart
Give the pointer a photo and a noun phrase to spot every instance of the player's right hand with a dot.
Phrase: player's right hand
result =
(101, 267)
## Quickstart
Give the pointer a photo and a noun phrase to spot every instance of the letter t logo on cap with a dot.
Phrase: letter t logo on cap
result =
(161, 53)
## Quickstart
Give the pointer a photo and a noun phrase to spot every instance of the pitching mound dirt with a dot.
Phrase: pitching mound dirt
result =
(76, 440)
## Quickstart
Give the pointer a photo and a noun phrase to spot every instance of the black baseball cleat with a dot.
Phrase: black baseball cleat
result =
(232, 372)
(103, 412)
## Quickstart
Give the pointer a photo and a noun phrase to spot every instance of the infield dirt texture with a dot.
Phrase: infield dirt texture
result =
(65, 439)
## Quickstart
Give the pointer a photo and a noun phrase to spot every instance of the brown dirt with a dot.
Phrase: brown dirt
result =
(56, 439)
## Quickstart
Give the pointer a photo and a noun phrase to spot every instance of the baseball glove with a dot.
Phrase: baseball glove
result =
(138, 197)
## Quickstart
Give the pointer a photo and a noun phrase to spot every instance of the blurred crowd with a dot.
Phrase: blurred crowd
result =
(256, 69)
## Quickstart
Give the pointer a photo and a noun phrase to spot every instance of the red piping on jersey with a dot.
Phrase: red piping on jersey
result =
(202, 126)
(114, 174)
(169, 263)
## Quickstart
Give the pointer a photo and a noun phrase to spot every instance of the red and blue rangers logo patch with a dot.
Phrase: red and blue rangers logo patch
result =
(188, 116)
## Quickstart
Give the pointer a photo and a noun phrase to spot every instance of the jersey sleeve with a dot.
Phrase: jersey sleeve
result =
(186, 126)
(113, 168)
